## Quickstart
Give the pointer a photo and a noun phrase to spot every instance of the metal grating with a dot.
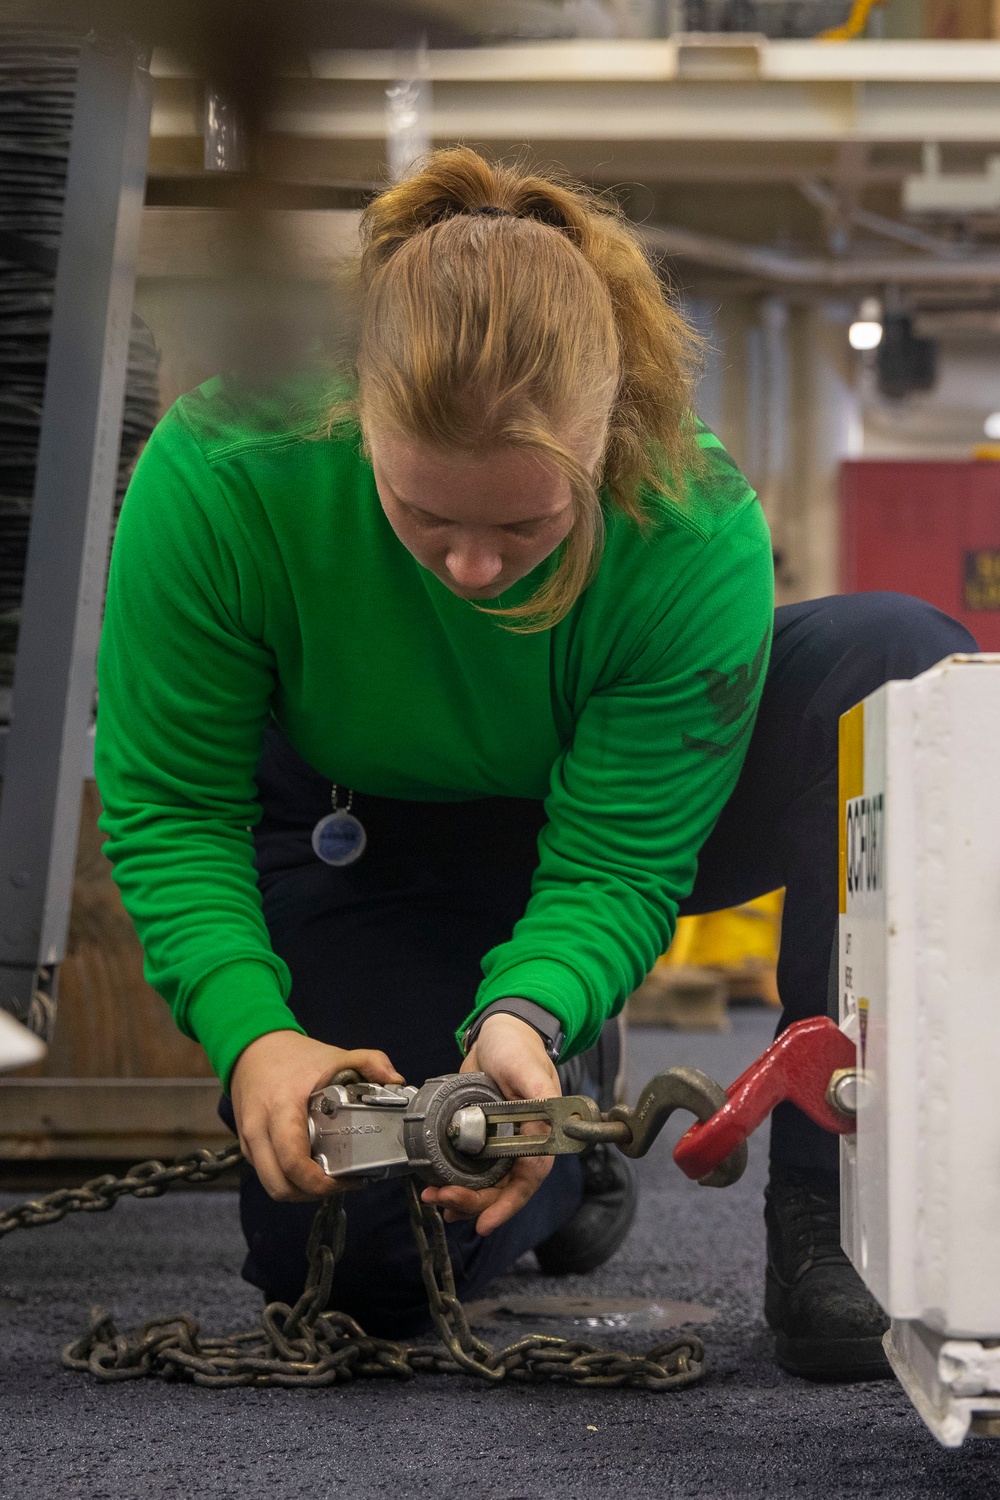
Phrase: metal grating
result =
(37, 85)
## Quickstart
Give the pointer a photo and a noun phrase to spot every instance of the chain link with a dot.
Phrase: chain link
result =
(677, 1362)
(312, 1345)
(148, 1179)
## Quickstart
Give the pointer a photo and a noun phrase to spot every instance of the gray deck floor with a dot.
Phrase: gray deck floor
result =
(747, 1431)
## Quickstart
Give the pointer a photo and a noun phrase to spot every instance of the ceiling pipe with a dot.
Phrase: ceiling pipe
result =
(830, 202)
(816, 271)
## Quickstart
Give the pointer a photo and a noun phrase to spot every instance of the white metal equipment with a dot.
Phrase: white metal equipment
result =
(920, 992)
(18, 1045)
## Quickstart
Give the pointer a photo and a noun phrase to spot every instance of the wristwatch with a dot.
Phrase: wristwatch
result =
(548, 1026)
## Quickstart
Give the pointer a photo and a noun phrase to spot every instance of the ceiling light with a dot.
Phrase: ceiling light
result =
(865, 335)
(866, 330)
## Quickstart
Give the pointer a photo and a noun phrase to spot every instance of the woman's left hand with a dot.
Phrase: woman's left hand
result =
(514, 1056)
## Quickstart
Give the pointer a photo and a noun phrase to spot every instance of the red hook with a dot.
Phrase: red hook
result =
(797, 1068)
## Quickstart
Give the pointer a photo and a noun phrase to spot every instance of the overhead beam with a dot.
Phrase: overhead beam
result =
(709, 89)
(662, 61)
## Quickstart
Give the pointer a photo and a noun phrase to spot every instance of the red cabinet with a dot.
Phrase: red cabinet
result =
(925, 528)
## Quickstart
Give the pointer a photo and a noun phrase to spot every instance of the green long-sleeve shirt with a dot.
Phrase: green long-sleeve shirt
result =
(254, 574)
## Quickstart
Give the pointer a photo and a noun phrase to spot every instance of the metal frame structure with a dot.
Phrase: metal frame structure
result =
(692, 89)
(48, 743)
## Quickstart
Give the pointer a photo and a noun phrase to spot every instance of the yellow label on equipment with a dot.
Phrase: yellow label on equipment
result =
(851, 780)
(981, 585)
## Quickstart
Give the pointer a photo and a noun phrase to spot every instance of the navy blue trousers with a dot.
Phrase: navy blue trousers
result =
(386, 953)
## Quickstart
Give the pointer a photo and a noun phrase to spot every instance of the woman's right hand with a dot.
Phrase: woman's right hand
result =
(270, 1088)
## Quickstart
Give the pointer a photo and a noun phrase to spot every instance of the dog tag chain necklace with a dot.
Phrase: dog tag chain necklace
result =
(339, 838)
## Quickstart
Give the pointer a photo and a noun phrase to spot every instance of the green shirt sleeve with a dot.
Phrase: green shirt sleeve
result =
(655, 754)
(184, 686)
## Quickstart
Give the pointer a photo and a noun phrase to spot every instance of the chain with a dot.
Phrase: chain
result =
(148, 1179)
(312, 1345)
(677, 1362)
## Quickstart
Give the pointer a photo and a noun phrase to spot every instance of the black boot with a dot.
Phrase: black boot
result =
(602, 1221)
(828, 1325)
(607, 1209)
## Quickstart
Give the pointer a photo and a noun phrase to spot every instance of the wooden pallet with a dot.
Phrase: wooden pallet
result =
(119, 1082)
(46, 1119)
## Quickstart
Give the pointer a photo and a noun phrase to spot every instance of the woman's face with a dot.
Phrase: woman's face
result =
(478, 523)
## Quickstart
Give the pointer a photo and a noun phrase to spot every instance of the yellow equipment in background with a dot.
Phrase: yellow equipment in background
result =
(715, 958)
(742, 941)
(854, 25)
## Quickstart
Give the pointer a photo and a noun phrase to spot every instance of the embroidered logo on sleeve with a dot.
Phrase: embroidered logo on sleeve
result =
(730, 695)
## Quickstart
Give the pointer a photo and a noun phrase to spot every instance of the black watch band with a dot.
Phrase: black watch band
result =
(548, 1026)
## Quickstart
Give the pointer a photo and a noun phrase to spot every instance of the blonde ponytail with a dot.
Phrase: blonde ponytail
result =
(500, 307)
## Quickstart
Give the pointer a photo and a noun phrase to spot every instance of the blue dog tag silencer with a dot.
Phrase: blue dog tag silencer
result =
(339, 838)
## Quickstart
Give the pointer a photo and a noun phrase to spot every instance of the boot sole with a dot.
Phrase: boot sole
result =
(832, 1359)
